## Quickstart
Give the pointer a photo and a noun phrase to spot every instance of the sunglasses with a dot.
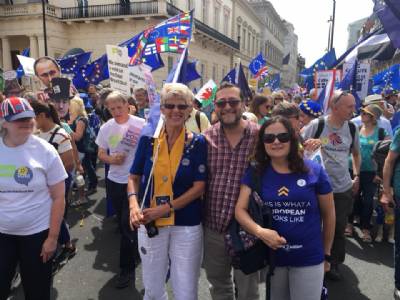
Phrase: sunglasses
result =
(283, 137)
(233, 102)
(179, 106)
(344, 93)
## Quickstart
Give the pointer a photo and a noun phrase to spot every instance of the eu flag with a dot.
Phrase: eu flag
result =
(274, 82)
(387, 79)
(71, 64)
(240, 80)
(92, 73)
(324, 63)
(187, 71)
(256, 64)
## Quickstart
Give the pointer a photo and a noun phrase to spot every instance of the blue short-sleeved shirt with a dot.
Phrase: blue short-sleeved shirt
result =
(193, 167)
(395, 147)
(295, 211)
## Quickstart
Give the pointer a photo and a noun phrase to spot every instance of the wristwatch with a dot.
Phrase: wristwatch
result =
(328, 258)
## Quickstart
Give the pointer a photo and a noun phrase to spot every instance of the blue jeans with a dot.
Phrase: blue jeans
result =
(397, 243)
(90, 172)
(364, 205)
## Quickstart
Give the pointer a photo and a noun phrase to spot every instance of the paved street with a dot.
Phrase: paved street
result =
(90, 275)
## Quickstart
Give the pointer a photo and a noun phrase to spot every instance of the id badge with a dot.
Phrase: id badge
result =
(161, 200)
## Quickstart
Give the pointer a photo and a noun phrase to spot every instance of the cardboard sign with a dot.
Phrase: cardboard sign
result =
(118, 61)
(362, 78)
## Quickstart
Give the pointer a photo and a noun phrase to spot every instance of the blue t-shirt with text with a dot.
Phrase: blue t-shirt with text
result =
(293, 199)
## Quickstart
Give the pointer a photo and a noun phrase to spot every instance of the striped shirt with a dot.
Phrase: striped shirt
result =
(226, 166)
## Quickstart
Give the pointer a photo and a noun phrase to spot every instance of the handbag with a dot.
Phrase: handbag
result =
(249, 254)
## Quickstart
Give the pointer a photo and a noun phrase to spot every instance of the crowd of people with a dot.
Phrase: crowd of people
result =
(175, 196)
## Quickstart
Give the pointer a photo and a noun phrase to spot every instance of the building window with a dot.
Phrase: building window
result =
(205, 11)
(214, 73)
(223, 71)
(170, 63)
(249, 42)
(244, 39)
(190, 4)
(254, 45)
(217, 10)
(238, 29)
(203, 74)
(226, 24)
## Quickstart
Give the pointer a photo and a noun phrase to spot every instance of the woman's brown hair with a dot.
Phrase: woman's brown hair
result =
(295, 157)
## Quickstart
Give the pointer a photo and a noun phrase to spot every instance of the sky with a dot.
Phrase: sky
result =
(309, 18)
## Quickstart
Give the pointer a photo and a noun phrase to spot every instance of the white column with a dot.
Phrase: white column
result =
(41, 45)
(33, 44)
(7, 65)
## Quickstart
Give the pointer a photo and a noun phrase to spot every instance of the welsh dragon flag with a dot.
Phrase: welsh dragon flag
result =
(206, 95)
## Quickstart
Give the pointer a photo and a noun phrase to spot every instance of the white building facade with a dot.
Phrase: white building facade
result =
(224, 31)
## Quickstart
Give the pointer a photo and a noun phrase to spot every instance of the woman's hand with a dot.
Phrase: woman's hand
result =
(48, 248)
(386, 199)
(271, 238)
(377, 179)
(151, 214)
(135, 217)
(327, 266)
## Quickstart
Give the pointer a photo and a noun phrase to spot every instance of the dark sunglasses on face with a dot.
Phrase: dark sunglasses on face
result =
(283, 137)
(179, 106)
(233, 102)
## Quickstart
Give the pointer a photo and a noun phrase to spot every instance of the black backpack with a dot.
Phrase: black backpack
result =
(51, 140)
(380, 152)
(321, 125)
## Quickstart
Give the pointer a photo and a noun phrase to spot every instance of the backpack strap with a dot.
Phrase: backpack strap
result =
(53, 135)
(320, 128)
(197, 117)
(352, 128)
(381, 134)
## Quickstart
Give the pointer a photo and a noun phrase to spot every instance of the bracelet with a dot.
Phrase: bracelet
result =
(356, 175)
(131, 194)
(328, 258)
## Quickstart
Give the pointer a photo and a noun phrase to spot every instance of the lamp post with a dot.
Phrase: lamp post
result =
(333, 24)
(44, 27)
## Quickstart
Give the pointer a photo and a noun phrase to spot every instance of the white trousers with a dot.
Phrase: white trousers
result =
(178, 248)
(297, 283)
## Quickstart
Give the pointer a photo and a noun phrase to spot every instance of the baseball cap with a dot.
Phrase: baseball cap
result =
(15, 108)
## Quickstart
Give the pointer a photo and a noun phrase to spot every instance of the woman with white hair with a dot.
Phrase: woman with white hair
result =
(172, 214)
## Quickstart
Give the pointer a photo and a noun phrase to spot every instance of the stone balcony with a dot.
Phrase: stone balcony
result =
(32, 9)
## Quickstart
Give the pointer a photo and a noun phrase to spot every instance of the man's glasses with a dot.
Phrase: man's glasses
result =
(233, 102)
(179, 106)
(283, 137)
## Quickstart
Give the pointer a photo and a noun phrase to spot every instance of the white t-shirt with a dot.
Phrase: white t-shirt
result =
(61, 138)
(26, 172)
(120, 138)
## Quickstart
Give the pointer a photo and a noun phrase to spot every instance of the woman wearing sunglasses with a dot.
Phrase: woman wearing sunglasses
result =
(261, 106)
(300, 196)
(173, 168)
